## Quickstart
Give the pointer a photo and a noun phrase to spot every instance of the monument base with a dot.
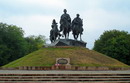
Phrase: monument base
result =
(68, 42)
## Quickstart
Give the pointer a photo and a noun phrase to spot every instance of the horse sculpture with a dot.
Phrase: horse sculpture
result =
(77, 28)
(54, 33)
(77, 31)
(66, 28)
(65, 24)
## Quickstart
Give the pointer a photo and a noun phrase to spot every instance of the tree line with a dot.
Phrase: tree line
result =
(116, 44)
(14, 45)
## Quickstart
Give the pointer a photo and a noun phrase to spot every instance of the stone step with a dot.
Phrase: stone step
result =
(65, 82)
(65, 77)
(62, 78)
(64, 74)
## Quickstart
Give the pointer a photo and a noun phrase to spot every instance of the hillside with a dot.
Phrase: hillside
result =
(78, 57)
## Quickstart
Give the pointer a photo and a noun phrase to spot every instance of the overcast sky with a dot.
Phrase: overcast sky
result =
(35, 16)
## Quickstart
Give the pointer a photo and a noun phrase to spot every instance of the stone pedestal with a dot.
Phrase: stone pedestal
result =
(68, 42)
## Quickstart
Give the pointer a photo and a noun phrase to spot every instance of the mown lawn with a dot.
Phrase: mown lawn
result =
(78, 57)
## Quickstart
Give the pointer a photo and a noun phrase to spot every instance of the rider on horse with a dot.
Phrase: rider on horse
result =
(77, 25)
(54, 25)
(65, 22)
(77, 21)
(54, 33)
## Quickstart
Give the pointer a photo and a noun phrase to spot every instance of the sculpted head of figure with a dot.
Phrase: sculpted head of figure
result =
(77, 15)
(54, 21)
(65, 11)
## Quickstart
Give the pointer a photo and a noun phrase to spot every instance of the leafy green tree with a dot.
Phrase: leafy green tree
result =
(12, 43)
(116, 44)
(35, 42)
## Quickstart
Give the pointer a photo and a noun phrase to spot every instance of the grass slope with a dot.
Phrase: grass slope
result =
(78, 57)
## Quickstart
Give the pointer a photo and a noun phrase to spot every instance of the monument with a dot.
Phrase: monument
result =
(63, 61)
(66, 26)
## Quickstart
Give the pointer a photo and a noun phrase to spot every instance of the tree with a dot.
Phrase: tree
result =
(12, 43)
(35, 42)
(116, 44)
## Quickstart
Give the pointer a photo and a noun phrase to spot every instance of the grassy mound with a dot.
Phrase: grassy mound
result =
(78, 57)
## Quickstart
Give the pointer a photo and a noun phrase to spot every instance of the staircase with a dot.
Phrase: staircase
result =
(29, 78)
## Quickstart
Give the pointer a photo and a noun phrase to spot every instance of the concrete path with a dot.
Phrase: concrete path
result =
(61, 72)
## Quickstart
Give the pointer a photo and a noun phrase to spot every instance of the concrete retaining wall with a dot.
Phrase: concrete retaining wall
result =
(67, 67)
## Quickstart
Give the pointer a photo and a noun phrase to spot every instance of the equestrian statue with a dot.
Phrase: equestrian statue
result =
(77, 27)
(54, 33)
(66, 26)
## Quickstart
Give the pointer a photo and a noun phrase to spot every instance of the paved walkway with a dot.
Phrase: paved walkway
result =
(61, 72)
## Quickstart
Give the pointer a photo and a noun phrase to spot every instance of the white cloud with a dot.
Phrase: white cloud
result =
(48, 3)
(32, 25)
(42, 3)
(96, 18)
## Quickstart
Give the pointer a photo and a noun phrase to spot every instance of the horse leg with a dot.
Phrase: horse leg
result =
(59, 35)
(54, 38)
(80, 37)
(67, 35)
(51, 41)
(75, 37)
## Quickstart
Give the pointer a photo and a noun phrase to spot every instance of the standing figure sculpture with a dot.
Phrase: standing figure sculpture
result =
(77, 27)
(65, 24)
(54, 33)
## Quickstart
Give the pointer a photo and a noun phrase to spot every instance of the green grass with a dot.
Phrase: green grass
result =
(78, 57)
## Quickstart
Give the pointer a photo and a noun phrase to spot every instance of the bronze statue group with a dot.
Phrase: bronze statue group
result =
(66, 26)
